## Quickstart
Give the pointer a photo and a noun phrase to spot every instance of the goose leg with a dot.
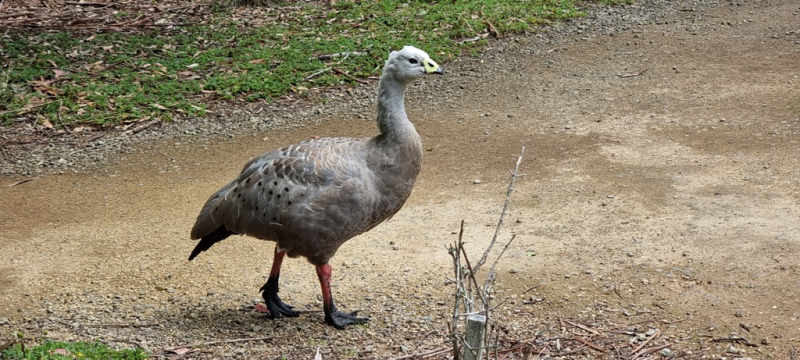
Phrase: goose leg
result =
(274, 305)
(333, 316)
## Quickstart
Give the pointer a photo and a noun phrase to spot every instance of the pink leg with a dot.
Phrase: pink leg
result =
(333, 316)
(272, 303)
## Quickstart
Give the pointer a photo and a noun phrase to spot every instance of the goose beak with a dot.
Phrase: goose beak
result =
(431, 67)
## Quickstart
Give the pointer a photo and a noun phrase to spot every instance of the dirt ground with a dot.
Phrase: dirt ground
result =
(660, 192)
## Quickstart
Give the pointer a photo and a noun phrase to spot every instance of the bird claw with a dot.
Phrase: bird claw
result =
(339, 319)
(276, 308)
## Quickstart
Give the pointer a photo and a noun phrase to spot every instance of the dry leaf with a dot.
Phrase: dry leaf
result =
(62, 352)
(47, 124)
(157, 106)
(59, 73)
(257, 61)
(262, 308)
(181, 351)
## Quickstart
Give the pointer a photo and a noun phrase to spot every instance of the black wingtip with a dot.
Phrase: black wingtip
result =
(209, 240)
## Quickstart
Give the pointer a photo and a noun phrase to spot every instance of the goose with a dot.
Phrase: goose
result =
(311, 197)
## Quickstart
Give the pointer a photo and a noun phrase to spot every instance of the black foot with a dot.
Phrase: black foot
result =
(339, 319)
(276, 307)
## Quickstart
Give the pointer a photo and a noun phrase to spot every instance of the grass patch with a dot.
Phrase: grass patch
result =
(248, 54)
(52, 350)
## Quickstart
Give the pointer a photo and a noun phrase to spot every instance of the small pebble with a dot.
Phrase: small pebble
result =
(476, 181)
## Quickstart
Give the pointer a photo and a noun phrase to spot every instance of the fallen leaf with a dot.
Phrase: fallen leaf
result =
(157, 106)
(47, 124)
(192, 66)
(262, 308)
(59, 351)
(181, 351)
(257, 61)
(59, 73)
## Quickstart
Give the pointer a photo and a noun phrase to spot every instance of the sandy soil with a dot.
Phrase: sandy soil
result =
(660, 191)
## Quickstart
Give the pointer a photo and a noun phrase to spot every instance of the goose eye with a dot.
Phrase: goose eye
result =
(412, 60)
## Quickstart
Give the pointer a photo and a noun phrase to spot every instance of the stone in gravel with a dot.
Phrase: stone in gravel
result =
(4, 321)
(476, 181)
(513, 271)
(666, 352)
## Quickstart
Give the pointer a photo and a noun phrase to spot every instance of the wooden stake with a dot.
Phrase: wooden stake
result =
(473, 340)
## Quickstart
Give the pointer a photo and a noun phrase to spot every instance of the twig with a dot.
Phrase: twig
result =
(22, 182)
(502, 213)
(739, 340)
(589, 344)
(632, 74)
(489, 24)
(7, 345)
(351, 77)
(336, 55)
(317, 73)
(673, 321)
(658, 332)
(141, 127)
(593, 331)
(119, 325)
(436, 351)
(222, 342)
(531, 288)
(90, 4)
(649, 350)
(26, 107)
(793, 354)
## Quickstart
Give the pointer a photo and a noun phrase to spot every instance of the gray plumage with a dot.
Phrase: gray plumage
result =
(313, 196)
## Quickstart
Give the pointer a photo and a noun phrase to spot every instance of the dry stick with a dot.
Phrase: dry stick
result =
(317, 73)
(632, 75)
(740, 340)
(674, 321)
(489, 24)
(141, 127)
(7, 345)
(436, 351)
(22, 182)
(351, 77)
(454, 252)
(119, 325)
(222, 342)
(90, 4)
(502, 214)
(534, 287)
(593, 331)
(336, 55)
(589, 344)
(658, 332)
(649, 350)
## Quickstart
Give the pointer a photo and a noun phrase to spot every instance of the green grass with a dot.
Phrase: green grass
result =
(51, 350)
(109, 78)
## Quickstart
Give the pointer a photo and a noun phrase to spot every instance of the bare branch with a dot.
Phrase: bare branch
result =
(503, 213)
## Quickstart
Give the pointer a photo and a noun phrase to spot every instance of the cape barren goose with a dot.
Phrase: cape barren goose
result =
(313, 196)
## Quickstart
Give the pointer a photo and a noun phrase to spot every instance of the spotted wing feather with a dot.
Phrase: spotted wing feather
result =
(302, 196)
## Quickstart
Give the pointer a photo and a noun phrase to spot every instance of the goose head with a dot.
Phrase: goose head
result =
(409, 64)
